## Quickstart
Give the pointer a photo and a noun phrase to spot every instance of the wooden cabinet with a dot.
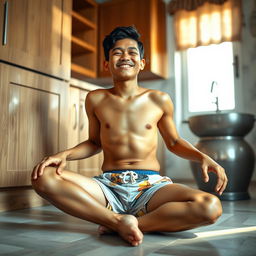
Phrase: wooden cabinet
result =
(33, 122)
(149, 17)
(78, 129)
(84, 39)
(37, 35)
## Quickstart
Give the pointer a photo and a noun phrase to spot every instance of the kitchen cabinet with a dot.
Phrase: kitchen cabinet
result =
(84, 39)
(149, 17)
(37, 35)
(78, 129)
(33, 122)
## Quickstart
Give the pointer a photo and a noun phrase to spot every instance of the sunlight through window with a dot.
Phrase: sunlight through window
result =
(210, 78)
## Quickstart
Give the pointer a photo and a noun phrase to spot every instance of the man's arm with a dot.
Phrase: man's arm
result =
(83, 150)
(184, 149)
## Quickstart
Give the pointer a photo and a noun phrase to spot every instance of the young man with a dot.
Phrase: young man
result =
(130, 197)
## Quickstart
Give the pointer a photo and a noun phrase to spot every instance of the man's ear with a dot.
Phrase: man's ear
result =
(105, 65)
(142, 64)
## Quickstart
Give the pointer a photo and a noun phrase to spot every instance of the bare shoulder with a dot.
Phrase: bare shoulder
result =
(95, 96)
(162, 99)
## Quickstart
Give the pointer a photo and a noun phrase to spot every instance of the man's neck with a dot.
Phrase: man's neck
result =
(126, 89)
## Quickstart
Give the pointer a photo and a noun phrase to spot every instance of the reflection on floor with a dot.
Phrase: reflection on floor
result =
(48, 231)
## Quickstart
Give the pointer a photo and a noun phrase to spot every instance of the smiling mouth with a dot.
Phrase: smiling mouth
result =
(125, 65)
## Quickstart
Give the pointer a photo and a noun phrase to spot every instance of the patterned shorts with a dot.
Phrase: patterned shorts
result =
(128, 191)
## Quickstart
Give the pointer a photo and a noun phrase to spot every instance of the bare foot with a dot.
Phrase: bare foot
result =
(128, 229)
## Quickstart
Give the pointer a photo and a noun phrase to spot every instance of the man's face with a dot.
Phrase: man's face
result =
(124, 60)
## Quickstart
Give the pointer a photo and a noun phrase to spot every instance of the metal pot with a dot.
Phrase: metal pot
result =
(221, 137)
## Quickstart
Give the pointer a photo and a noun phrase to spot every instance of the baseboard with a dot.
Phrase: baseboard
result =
(19, 198)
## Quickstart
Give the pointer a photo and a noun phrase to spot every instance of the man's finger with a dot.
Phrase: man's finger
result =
(46, 163)
(34, 173)
(224, 185)
(41, 169)
(205, 173)
(221, 180)
(60, 168)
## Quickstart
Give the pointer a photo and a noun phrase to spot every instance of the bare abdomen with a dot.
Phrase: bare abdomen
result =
(130, 151)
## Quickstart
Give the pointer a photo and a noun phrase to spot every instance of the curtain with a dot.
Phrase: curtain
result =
(209, 23)
(189, 5)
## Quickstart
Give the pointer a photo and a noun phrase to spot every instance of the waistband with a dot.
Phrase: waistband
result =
(138, 171)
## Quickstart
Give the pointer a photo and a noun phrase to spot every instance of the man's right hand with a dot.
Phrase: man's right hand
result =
(58, 160)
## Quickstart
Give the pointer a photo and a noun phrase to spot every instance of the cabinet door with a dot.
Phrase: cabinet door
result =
(32, 122)
(38, 35)
(73, 125)
(92, 165)
(149, 17)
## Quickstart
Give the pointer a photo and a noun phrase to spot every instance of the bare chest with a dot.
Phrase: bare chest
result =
(133, 116)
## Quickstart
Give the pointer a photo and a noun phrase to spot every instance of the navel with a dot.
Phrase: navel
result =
(148, 126)
(107, 126)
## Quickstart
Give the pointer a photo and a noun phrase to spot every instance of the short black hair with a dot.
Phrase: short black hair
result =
(122, 33)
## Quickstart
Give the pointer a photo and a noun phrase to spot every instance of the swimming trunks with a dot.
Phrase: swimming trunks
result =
(128, 191)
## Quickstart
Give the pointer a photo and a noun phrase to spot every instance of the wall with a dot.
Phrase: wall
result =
(249, 69)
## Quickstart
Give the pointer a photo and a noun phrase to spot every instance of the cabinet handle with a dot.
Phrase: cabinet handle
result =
(82, 112)
(5, 23)
(76, 116)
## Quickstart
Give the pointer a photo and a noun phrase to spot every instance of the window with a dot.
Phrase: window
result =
(208, 81)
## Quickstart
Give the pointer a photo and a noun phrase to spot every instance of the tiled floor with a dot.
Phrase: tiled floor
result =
(47, 231)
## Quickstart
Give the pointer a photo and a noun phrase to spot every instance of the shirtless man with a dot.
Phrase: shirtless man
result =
(123, 122)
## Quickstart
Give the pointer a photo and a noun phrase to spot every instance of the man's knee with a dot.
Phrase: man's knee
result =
(46, 182)
(210, 207)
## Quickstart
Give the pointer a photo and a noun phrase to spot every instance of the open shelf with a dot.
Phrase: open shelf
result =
(84, 39)
(80, 47)
(83, 4)
(80, 72)
(80, 23)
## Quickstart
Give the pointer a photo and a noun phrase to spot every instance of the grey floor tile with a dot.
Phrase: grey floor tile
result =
(251, 220)
(48, 231)
(5, 248)
(56, 236)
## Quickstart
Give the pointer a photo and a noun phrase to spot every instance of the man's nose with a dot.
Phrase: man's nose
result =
(125, 56)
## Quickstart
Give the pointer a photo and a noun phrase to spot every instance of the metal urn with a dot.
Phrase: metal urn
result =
(222, 138)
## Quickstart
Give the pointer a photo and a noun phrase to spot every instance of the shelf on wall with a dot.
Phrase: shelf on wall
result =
(80, 22)
(84, 39)
(82, 4)
(81, 71)
(79, 46)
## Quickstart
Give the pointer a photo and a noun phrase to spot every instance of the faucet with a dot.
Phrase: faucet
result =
(216, 102)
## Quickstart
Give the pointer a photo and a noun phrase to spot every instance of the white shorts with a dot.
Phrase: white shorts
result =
(128, 191)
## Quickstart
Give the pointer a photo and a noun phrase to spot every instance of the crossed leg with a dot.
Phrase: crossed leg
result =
(82, 197)
(174, 207)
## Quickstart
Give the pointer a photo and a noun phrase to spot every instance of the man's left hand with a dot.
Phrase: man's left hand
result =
(208, 165)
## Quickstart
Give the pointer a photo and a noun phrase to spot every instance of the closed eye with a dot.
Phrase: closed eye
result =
(117, 53)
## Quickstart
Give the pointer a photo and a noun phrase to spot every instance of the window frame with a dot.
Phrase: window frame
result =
(181, 80)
